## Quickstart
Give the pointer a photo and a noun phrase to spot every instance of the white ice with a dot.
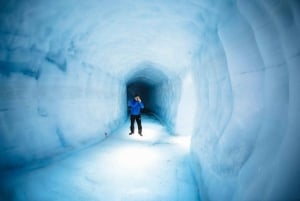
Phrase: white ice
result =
(224, 72)
(151, 167)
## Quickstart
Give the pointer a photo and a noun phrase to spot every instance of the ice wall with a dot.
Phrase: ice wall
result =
(65, 67)
(51, 101)
(55, 112)
(246, 143)
(187, 107)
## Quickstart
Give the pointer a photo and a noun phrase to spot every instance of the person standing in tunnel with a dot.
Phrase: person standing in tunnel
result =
(135, 113)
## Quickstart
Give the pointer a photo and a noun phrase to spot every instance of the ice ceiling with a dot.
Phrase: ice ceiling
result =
(225, 72)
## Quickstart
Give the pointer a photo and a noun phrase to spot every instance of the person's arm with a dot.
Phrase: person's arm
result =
(141, 103)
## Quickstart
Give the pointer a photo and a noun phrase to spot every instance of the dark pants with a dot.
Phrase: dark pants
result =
(138, 120)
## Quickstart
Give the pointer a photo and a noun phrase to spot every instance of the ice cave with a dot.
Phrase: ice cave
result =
(220, 81)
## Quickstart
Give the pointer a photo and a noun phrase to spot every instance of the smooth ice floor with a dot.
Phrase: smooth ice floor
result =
(154, 167)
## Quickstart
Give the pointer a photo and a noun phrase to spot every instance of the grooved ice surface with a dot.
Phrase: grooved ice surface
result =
(225, 72)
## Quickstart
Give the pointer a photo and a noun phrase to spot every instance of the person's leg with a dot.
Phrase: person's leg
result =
(139, 123)
(131, 124)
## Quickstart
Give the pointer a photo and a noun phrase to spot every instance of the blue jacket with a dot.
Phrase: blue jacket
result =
(135, 107)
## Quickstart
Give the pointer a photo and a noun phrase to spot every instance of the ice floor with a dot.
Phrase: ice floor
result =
(122, 167)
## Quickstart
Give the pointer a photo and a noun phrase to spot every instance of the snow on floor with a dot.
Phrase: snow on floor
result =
(122, 167)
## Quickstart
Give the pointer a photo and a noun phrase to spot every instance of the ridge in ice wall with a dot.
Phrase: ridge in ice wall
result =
(57, 78)
(40, 117)
(247, 142)
(50, 100)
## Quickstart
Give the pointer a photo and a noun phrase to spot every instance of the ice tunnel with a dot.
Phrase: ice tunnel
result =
(225, 72)
(157, 88)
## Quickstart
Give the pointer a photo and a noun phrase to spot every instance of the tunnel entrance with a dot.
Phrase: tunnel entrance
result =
(147, 81)
(146, 93)
(158, 90)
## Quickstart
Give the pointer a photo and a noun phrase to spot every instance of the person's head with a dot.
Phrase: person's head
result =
(136, 97)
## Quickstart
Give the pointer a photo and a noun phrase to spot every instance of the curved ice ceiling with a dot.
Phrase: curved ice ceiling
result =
(62, 62)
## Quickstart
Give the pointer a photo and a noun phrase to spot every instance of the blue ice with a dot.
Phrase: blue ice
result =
(222, 75)
(122, 167)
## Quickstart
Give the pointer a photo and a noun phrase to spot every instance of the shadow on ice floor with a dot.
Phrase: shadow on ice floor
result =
(122, 167)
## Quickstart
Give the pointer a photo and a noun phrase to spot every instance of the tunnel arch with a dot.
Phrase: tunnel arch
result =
(159, 88)
(244, 56)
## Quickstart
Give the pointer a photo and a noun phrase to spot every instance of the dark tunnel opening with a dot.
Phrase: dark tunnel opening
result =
(155, 88)
(224, 73)
(145, 91)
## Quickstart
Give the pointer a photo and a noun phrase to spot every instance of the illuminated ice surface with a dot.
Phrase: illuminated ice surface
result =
(122, 167)
(224, 72)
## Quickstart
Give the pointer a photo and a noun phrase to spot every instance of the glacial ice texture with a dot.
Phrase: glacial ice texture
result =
(224, 72)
